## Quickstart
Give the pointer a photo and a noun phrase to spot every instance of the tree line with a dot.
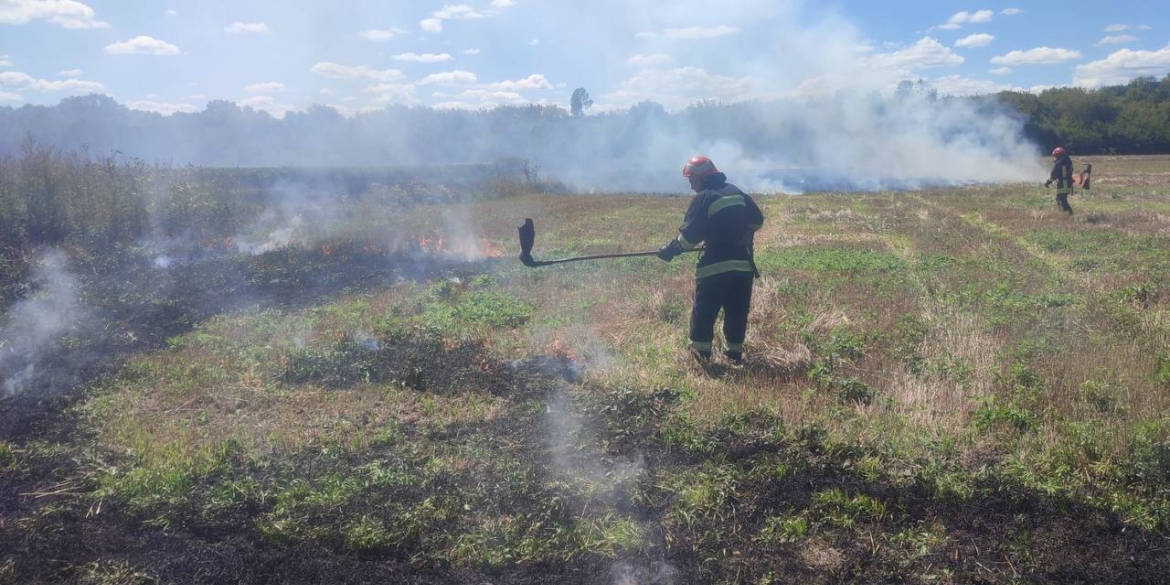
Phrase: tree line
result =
(1124, 119)
(1119, 119)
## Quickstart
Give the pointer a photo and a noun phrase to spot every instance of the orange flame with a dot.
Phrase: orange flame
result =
(488, 249)
(559, 349)
(428, 244)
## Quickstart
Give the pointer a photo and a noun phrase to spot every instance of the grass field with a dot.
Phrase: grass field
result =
(956, 385)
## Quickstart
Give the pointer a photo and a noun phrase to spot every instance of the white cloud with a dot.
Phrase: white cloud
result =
(1120, 67)
(1116, 27)
(172, 12)
(380, 34)
(677, 88)
(163, 108)
(1116, 40)
(692, 33)
(1000, 71)
(269, 86)
(977, 40)
(1011, 11)
(65, 13)
(247, 27)
(924, 54)
(1038, 56)
(142, 45)
(449, 78)
(23, 81)
(653, 60)
(460, 106)
(391, 93)
(8, 96)
(534, 43)
(963, 17)
(70, 73)
(423, 58)
(266, 104)
(981, 16)
(534, 81)
(471, 51)
(338, 71)
(457, 12)
(434, 24)
(949, 26)
(484, 95)
(5, 61)
(958, 85)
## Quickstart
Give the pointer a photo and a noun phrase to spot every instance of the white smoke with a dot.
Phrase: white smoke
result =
(297, 214)
(592, 470)
(464, 239)
(32, 325)
(659, 573)
(842, 142)
(818, 106)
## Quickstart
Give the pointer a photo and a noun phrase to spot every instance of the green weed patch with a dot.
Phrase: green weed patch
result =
(828, 259)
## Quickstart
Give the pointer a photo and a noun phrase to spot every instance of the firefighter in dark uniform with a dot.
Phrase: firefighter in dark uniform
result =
(1062, 175)
(726, 219)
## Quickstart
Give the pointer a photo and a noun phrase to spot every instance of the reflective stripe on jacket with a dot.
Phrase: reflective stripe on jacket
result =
(726, 219)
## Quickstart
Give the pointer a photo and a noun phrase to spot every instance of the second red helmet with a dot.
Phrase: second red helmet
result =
(699, 166)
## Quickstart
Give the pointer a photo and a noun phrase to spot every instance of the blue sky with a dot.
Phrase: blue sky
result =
(284, 55)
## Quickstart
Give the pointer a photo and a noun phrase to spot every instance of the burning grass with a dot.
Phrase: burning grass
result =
(950, 385)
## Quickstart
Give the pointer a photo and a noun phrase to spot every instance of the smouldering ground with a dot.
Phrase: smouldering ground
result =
(955, 385)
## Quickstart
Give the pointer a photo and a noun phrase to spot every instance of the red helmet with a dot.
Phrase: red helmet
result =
(699, 166)
(1058, 151)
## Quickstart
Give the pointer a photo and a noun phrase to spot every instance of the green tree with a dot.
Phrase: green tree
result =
(580, 102)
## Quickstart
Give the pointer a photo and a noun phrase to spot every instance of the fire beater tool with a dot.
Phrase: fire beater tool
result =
(528, 240)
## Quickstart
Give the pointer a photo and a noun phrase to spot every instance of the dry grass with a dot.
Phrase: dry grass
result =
(222, 384)
(631, 322)
(633, 313)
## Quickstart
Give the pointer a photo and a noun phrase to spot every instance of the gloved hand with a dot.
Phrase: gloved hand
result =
(1048, 183)
(669, 251)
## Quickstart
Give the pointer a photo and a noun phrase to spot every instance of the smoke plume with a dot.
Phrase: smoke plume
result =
(32, 326)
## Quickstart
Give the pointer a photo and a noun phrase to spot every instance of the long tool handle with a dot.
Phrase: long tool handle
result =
(533, 263)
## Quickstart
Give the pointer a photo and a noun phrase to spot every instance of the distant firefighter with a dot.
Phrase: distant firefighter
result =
(726, 219)
(1062, 175)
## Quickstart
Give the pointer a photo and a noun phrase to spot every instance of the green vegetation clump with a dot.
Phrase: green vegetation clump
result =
(7, 456)
(824, 259)
(1129, 119)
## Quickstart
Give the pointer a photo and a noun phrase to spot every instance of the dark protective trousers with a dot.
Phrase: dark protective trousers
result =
(730, 291)
(1062, 202)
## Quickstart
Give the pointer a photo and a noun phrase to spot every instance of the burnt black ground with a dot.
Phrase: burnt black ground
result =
(135, 306)
(1003, 534)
